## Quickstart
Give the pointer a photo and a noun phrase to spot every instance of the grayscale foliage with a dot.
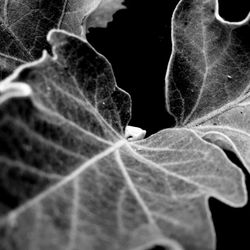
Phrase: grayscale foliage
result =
(24, 25)
(211, 94)
(70, 179)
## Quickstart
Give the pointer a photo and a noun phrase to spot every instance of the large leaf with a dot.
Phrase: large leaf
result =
(208, 78)
(70, 180)
(24, 26)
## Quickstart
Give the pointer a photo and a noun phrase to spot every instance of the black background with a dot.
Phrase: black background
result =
(138, 45)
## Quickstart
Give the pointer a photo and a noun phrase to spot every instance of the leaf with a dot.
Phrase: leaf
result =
(232, 129)
(209, 70)
(24, 26)
(104, 13)
(208, 78)
(69, 178)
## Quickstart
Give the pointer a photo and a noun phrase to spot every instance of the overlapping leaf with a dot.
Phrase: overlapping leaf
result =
(24, 26)
(70, 180)
(230, 130)
(208, 78)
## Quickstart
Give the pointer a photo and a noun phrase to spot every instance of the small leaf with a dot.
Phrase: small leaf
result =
(70, 180)
(104, 13)
(24, 26)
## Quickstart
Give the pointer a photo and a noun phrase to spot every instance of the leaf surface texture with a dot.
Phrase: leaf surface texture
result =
(208, 78)
(24, 26)
(69, 178)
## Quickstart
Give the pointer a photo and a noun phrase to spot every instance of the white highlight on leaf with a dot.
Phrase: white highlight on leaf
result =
(14, 90)
(134, 133)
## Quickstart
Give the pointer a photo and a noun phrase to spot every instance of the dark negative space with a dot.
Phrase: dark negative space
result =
(138, 45)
